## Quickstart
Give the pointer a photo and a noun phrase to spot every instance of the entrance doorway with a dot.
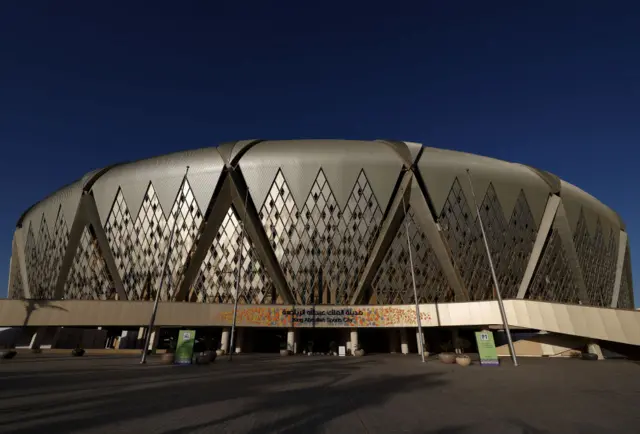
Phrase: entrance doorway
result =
(374, 340)
(265, 340)
(320, 340)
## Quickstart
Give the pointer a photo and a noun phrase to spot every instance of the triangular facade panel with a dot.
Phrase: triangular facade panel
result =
(462, 232)
(393, 284)
(553, 279)
(139, 244)
(217, 279)
(167, 188)
(134, 193)
(89, 278)
(43, 255)
(597, 257)
(322, 248)
(202, 185)
(16, 290)
(514, 253)
(510, 241)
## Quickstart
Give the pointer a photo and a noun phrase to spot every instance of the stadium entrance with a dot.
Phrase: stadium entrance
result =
(376, 340)
(320, 340)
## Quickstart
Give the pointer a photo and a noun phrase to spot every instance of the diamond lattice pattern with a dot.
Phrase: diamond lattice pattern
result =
(216, 281)
(16, 291)
(139, 246)
(321, 248)
(597, 256)
(89, 278)
(553, 279)
(510, 242)
(393, 284)
(44, 256)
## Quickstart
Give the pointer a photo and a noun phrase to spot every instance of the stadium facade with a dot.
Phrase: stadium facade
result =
(321, 224)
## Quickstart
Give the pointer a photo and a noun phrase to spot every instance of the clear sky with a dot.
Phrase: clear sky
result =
(554, 84)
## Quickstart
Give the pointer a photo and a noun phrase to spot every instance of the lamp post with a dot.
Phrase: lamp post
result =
(413, 280)
(152, 320)
(493, 275)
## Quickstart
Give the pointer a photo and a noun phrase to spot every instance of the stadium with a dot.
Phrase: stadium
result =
(313, 236)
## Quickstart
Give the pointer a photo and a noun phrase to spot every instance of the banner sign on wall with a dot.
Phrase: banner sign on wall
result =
(325, 316)
(184, 349)
(487, 348)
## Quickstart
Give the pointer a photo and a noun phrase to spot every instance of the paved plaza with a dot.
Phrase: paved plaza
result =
(268, 394)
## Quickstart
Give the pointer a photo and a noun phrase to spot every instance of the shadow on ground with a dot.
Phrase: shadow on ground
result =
(301, 395)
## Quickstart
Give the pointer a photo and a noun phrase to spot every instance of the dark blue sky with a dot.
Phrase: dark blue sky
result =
(552, 84)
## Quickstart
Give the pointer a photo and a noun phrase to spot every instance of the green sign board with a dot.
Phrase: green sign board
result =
(487, 348)
(184, 349)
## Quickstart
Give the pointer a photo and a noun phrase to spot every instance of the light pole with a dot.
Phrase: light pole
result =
(152, 320)
(413, 280)
(493, 275)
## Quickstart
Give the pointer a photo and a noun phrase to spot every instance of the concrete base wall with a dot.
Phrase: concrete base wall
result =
(545, 345)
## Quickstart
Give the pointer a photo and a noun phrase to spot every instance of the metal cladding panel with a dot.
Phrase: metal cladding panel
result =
(439, 169)
(139, 241)
(45, 237)
(89, 278)
(321, 238)
(408, 151)
(393, 281)
(67, 199)
(414, 150)
(341, 161)
(230, 152)
(231, 256)
(577, 202)
(597, 256)
(165, 173)
(510, 241)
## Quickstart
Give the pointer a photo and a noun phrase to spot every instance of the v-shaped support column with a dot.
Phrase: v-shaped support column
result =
(541, 237)
(425, 219)
(255, 231)
(214, 217)
(622, 250)
(388, 230)
(88, 215)
(410, 194)
(561, 223)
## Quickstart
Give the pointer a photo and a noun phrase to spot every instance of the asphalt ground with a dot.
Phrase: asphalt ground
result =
(299, 394)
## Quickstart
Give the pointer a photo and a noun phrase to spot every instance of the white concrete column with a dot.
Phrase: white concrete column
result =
(404, 341)
(354, 339)
(123, 342)
(141, 337)
(224, 340)
(594, 348)
(153, 340)
(239, 340)
(37, 338)
(347, 339)
(291, 340)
